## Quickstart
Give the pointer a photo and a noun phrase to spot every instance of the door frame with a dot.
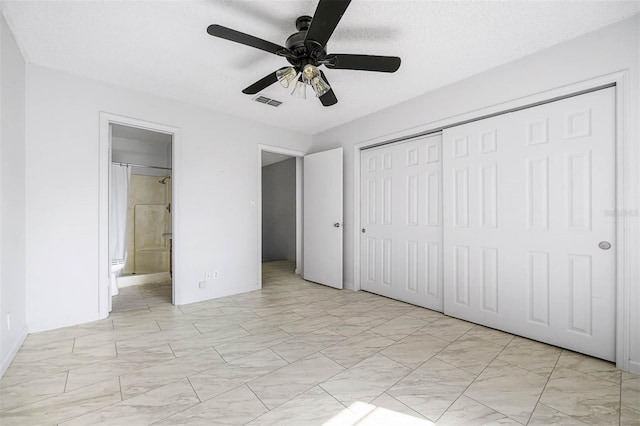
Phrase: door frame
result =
(298, 155)
(624, 192)
(104, 161)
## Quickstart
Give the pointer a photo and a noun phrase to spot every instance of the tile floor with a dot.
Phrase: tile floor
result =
(297, 353)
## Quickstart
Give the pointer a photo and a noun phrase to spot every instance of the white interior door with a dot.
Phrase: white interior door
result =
(401, 238)
(322, 216)
(529, 229)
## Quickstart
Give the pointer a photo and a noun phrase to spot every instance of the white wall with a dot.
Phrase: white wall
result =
(612, 49)
(12, 198)
(279, 211)
(215, 193)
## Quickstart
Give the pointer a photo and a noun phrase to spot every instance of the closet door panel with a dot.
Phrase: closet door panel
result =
(525, 202)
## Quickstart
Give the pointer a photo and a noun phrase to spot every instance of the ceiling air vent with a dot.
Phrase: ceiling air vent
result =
(268, 101)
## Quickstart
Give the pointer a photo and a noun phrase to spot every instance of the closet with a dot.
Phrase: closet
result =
(506, 221)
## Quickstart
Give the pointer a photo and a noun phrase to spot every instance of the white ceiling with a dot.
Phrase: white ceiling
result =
(162, 47)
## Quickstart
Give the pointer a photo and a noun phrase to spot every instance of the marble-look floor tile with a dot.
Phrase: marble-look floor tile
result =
(34, 353)
(307, 325)
(413, 350)
(372, 415)
(32, 391)
(470, 353)
(208, 340)
(630, 390)
(583, 396)
(143, 409)
(313, 407)
(447, 328)
(287, 382)
(366, 380)
(301, 347)
(425, 314)
(530, 355)
(388, 402)
(432, 388)
(146, 379)
(544, 416)
(489, 334)
(629, 416)
(357, 324)
(247, 345)
(235, 407)
(64, 406)
(223, 378)
(508, 389)
(85, 376)
(355, 349)
(466, 411)
(598, 368)
(400, 327)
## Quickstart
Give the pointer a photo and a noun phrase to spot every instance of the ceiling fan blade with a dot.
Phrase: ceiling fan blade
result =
(324, 22)
(246, 39)
(363, 62)
(328, 98)
(261, 84)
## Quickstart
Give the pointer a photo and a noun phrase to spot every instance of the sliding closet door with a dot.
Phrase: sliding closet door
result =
(529, 229)
(401, 239)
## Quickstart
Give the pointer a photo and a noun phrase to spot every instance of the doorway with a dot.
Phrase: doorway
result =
(279, 208)
(143, 153)
(140, 233)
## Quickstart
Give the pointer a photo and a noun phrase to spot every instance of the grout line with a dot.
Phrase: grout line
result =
(544, 388)
(120, 386)
(66, 380)
(194, 389)
(259, 399)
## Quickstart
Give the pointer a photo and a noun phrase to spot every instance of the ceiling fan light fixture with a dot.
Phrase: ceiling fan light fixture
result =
(286, 75)
(299, 90)
(311, 76)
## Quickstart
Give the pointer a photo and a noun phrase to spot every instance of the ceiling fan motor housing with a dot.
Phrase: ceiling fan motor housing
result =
(305, 53)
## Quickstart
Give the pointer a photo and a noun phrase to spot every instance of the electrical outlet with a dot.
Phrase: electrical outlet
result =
(207, 275)
(202, 284)
(216, 275)
(8, 322)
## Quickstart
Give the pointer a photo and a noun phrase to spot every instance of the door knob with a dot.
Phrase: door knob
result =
(364, 230)
(336, 225)
(604, 245)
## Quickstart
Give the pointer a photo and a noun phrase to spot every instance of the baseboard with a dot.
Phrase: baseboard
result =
(6, 362)
(634, 367)
(131, 280)
(37, 327)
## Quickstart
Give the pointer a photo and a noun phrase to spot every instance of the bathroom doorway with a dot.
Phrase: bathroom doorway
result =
(140, 217)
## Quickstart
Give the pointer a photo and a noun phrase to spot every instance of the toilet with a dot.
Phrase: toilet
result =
(117, 265)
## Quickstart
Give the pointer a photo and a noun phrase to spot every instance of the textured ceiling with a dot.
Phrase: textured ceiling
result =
(162, 47)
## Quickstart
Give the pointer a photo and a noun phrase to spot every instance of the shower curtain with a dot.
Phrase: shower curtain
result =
(118, 202)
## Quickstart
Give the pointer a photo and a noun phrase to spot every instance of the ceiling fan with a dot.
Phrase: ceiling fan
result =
(306, 50)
